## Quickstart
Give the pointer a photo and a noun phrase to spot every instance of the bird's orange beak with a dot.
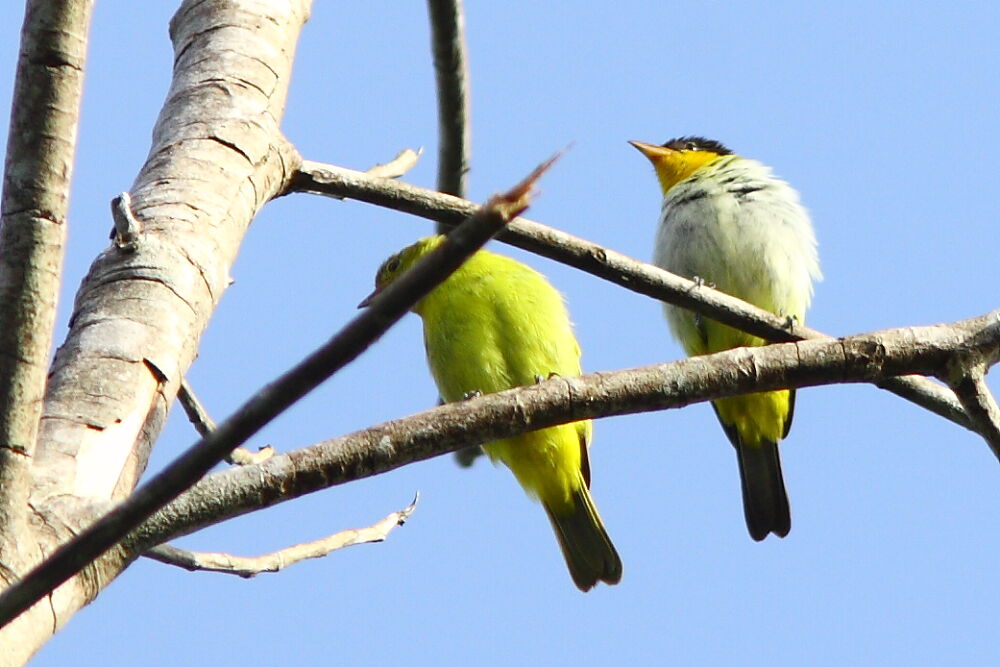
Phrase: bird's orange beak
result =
(652, 151)
(673, 166)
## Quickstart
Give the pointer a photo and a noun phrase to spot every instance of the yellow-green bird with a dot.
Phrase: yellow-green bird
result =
(728, 221)
(495, 324)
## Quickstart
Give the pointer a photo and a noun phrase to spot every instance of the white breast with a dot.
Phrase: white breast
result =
(738, 227)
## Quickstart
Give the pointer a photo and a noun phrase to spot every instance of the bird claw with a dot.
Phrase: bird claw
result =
(475, 393)
(700, 282)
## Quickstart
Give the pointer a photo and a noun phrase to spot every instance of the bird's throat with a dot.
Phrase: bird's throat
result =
(672, 167)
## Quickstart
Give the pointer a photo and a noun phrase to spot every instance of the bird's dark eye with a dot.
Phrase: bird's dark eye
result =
(392, 265)
(691, 146)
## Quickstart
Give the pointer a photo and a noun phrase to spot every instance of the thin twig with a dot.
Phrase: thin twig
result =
(204, 424)
(398, 166)
(276, 561)
(603, 263)
(452, 76)
(404, 161)
(969, 384)
(196, 413)
(385, 310)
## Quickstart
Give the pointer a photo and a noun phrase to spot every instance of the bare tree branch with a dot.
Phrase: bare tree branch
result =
(969, 384)
(41, 148)
(602, 262)
(452, 76)
(195, 411)
(204, 424)
(454, 118)
(385, 309)
(452, 426)
(398, 166)
(276, 561)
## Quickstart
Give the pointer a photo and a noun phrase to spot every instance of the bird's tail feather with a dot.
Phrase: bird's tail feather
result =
(589, 553)
(765, 502)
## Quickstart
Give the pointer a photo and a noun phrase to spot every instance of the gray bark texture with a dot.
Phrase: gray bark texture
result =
(217, 156)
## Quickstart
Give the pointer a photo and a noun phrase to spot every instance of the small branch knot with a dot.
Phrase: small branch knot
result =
(128, 229)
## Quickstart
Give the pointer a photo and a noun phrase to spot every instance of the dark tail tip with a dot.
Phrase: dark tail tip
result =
(590, 555)
(765, 503)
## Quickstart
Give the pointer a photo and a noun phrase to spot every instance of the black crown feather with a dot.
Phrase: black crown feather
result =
(697, 144)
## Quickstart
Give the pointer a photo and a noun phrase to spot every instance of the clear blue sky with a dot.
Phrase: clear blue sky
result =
(884, 116)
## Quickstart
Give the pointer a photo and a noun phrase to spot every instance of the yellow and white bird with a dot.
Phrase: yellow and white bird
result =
(728, 221)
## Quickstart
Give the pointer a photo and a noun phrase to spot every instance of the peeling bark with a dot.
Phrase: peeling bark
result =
(217, 156)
